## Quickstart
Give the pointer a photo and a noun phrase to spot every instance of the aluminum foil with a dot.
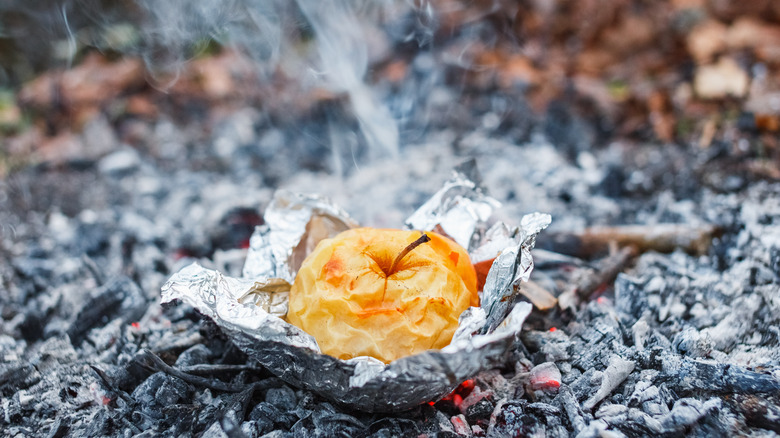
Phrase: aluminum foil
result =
(251, 309)
(459, 210)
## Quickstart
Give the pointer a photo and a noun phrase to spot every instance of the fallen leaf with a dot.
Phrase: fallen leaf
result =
(633, 33)
(706, 40)
(518, 69)
(141, 105)
(716, 81)
(768, 122)
(595, 61)
(92, 82)
(752, 33)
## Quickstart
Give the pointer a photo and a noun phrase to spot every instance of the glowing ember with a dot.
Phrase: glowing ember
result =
(98, 394)
(545, 377)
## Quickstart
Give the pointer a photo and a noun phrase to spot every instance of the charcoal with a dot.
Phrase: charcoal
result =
(60, 428)
(448, 407)
(550, 414)
(210, 414)
(197, 354)
(307, 402)
(32, 327)
(129, 376)
(445, 434)
(690, 342)
(282, 398)
(479, 412)
(235, 228)
(93, 239)
(630, 296)
(392, 427)
(267, 416)
(336, 424)
(16, 376)
(230, 425)
(759, 411)
(460, 425)
(687, 412)
(119, 297)
(544, 377)
(236, 405)
(598, 429)
(571, 407)
(774, 261)
(277, 434)
(551, 345)
(249, 429)
(214, 431)
(587, 384)
(512, 420)
(687, 376)
(160, 390)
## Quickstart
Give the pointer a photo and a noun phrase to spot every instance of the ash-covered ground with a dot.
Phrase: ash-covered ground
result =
(655, 344)
(681, 344)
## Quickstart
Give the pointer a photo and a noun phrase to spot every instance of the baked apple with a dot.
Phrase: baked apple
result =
(382, 293)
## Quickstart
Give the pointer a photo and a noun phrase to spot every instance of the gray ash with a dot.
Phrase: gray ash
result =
(680, 344)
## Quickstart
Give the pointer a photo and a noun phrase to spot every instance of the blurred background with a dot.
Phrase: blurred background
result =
(584, 73)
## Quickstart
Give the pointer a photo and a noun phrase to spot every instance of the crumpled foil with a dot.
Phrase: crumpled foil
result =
(251, 309)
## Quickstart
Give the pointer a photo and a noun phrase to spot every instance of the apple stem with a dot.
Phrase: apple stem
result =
(424, 238)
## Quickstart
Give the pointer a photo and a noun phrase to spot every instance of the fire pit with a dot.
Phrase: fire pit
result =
(653, 306)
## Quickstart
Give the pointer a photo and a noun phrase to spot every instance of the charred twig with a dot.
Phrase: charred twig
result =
(605, 273)
(590, 280)
(107, 383)
(213, 369)
(180, 343)
(660, 237)
(150, 360)
(93, 269)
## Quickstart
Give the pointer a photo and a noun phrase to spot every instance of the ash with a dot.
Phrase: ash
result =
(676, 344)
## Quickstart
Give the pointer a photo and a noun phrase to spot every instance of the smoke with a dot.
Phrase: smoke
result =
(317, 43)
(174, 31)
(320, 43)
(343, 61)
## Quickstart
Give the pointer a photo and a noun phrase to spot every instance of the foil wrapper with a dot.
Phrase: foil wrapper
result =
(251, 309)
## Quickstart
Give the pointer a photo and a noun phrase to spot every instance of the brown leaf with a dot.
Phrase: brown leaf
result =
(716, 81)
(768, 122)
(631, 34)
(706, 40)
(518, 69)
(141, 105)
(752, 33)
(92, 82)
(594, 61)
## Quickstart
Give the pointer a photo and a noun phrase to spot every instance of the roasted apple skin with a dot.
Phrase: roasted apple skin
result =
(347, 298)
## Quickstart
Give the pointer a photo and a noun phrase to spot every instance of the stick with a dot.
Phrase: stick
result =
(660, 237)
(150, 360)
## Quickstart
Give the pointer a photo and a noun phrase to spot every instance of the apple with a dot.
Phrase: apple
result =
(382, 293)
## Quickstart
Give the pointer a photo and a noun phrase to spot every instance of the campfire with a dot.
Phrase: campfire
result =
(162, 191)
